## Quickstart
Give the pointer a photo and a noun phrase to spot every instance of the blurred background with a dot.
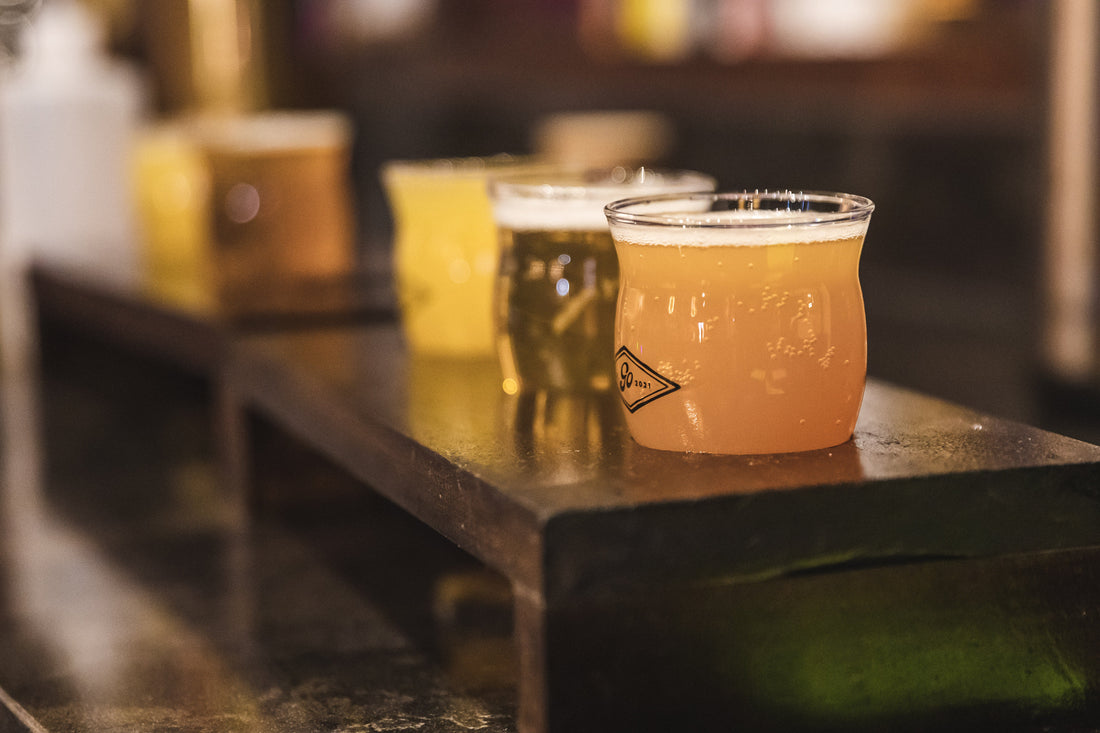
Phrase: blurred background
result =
(952, 115)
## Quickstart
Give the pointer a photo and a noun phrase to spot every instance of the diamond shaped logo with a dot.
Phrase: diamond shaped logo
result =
(639, 384)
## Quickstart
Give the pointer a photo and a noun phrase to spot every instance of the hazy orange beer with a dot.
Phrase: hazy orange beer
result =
(740, 325)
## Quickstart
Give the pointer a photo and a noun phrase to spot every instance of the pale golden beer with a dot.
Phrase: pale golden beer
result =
(445, 251)
(558, 278)
(172, 192)
(740, 325)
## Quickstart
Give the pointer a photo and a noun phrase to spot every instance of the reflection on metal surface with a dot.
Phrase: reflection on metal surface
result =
(566, 437)
(473, 614)
(453, 402)
(998, 644)
(930, 640)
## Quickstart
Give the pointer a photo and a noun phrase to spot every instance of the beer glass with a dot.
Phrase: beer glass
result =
(172, 192)
(740, 326)
(558, 277)
(445, 251)
(281, 198)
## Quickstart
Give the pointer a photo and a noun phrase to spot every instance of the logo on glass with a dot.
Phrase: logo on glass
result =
(638, 383)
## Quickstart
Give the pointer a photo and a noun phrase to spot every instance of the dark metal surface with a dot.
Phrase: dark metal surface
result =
(997, 644)
(554, 493)
(194, 331)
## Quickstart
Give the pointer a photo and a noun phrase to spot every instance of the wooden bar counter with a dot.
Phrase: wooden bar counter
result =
(937, 572)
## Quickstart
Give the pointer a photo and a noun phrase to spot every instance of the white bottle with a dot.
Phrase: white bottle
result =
(68, 119)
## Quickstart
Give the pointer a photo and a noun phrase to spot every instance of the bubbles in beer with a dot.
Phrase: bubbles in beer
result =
(759, 341)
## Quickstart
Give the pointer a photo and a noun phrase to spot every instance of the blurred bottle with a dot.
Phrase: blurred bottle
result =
(208, 57)
(68, 116)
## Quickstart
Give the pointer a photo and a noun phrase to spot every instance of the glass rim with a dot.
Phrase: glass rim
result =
(799, 204)
(579, 183)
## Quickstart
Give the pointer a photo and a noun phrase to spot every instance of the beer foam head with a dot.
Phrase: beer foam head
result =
(575, 200)
(533, 213)
(277, 132)
(713, 220)
(474, 167)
